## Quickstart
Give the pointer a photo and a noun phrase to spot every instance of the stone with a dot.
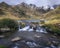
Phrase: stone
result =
(16, 39)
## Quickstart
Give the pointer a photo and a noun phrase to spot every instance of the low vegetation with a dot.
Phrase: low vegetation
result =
(8, 23)
(22, 25)
(53, 27)
(2, 46)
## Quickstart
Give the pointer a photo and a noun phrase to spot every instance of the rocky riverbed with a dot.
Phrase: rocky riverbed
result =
(32, 40)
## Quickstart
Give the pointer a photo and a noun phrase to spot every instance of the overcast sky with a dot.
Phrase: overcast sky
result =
(36, 2)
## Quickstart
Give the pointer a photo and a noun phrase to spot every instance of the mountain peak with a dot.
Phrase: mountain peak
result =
(3, 4)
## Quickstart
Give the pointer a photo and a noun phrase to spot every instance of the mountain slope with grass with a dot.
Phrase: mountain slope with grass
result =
(53, 21)
(21, 11)
(5, 11)
(53, 16)
(25, 11)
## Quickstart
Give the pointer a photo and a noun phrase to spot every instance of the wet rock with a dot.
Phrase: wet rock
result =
(52, 46)
(32, 44)
(18, 45)
(2, 36)
(47, 47)
(58, 46)
(16, 39)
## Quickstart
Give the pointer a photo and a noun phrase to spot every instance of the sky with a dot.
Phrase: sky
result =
(36, 2)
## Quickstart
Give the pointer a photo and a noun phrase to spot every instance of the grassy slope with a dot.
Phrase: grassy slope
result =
(7, 11)
(53, 22)
(16, 12)
(53, 16)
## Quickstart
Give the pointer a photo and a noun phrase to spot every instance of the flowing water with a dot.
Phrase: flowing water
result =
(27, 28)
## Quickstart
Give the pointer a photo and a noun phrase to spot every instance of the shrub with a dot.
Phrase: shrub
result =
(22, 25)
(53, 28)
(8, 23)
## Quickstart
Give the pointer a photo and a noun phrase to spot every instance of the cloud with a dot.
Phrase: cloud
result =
(36, 2)
(31, 1)
(43, 2)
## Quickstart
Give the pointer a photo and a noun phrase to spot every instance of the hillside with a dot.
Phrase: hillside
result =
(28, 11)
(5, 11)
(21, 11)
(53, 16)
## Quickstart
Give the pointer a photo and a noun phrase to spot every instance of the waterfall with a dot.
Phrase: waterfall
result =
(27, 28)
(24, 29)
